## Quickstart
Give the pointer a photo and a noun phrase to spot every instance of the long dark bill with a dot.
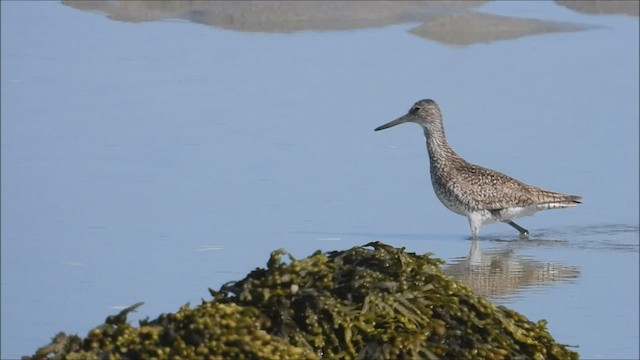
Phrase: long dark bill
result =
(398, 121)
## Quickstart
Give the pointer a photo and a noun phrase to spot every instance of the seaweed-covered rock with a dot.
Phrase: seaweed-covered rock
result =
(373, 301)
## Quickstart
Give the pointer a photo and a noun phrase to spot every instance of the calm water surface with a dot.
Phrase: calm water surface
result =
(151, 160)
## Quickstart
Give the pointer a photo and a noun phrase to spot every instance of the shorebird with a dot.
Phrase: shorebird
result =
(483, 195)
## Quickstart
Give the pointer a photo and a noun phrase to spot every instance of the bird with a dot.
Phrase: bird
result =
(483, 195)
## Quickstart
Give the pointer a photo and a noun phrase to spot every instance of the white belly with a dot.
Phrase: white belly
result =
(489, 217)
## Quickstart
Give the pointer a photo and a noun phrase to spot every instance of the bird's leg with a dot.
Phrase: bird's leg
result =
(475, 227)
(524, 233)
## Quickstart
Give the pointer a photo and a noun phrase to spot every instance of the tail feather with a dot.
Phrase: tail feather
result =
(553, 200)
(574, 199)
(559, 201)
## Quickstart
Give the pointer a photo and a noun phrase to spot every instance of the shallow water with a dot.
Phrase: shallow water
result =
(151, 160)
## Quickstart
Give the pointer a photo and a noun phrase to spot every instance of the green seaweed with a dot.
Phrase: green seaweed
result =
(368, 302)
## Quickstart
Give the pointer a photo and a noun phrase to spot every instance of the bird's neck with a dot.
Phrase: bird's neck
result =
(439, 150)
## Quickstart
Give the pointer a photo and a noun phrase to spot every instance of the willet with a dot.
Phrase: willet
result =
(483, 195)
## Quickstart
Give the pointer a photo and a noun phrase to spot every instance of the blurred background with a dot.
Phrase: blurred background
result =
(152, 150)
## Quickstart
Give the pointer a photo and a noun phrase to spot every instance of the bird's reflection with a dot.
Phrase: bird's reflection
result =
(501, 274)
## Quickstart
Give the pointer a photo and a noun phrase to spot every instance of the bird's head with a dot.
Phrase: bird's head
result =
(425, 112)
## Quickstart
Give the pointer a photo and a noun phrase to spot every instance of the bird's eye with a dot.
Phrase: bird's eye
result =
(414, 110)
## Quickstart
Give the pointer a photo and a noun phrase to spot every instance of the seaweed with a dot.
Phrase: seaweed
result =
(371, 301)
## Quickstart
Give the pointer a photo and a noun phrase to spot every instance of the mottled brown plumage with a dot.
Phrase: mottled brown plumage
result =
(482, 195)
